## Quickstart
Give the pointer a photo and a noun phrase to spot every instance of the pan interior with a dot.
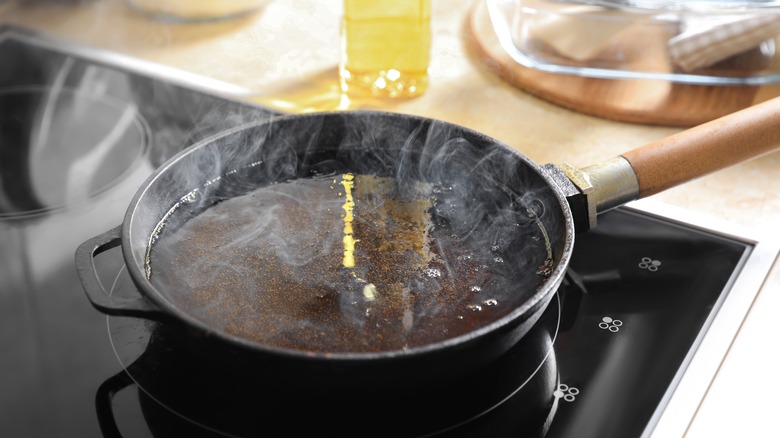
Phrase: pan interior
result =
(351, 246)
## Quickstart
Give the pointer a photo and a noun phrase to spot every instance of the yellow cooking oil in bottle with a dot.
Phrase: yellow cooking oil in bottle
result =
(386, 47)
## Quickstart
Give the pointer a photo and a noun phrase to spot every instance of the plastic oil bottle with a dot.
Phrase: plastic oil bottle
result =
(385, 47)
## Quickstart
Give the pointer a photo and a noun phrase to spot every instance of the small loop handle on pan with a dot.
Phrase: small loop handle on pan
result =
(85, 265)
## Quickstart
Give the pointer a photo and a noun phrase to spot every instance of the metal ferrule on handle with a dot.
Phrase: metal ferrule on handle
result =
(605, 185)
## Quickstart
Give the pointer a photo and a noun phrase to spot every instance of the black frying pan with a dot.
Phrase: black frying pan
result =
(490, 200)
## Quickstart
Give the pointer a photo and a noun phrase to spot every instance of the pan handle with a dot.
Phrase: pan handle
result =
(679, 158)
(107, 304)
(706, 148)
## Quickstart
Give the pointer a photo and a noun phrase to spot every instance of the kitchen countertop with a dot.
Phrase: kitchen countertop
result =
(287, 54)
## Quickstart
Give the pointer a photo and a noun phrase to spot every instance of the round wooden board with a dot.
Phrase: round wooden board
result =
(652, 102)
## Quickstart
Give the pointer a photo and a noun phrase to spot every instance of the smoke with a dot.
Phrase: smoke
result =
(449, 229)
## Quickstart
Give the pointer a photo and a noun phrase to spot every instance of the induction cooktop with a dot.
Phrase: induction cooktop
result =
(652, 300)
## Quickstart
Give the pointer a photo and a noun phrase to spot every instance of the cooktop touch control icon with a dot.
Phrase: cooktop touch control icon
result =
(566, 392)
(649, 264)
(610, 324)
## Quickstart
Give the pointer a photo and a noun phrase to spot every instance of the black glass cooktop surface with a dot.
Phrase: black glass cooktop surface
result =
(641, 291)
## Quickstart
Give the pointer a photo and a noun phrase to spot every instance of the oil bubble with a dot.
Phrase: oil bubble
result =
(433, 273)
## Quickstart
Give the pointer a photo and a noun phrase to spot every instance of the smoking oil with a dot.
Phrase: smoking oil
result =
(385, 47)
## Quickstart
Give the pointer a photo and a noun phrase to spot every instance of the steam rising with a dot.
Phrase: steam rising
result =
(350, 233)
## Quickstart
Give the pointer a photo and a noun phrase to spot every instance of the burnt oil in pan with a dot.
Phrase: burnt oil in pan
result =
(350, 263)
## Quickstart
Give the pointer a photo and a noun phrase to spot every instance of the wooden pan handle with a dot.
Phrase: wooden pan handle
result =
(706, 148)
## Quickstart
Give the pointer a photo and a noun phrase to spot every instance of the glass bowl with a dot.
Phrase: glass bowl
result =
(694, 42)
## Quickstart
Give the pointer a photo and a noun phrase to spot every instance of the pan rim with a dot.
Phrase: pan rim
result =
(533, 305)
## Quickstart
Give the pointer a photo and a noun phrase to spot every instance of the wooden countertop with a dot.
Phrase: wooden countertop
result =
(287, 54)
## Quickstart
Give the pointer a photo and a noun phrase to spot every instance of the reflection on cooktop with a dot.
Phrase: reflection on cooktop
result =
(60, 146)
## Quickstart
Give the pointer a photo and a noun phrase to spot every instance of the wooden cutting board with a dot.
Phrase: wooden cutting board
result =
(652, 102)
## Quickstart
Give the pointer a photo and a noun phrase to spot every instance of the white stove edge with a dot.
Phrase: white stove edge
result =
(678, 412)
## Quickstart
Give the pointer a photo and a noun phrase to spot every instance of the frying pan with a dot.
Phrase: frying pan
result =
(541, 206)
